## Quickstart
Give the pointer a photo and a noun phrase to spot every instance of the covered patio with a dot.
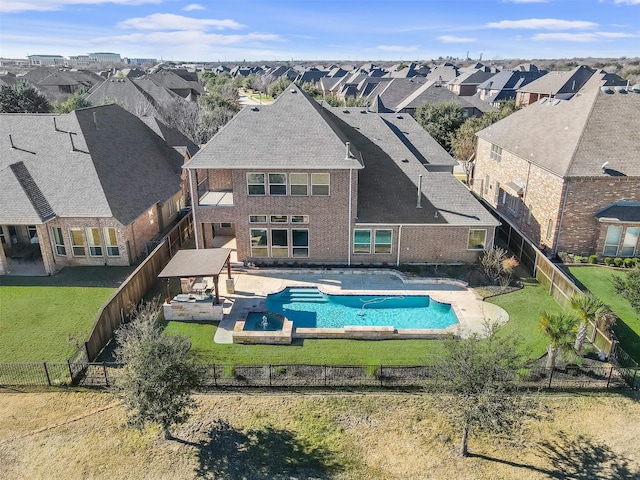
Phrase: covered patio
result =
(193, 267)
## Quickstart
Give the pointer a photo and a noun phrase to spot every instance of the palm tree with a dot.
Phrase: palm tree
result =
(560, 329)
(589, 309)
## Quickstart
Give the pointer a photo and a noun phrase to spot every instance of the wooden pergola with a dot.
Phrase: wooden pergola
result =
(207, 262)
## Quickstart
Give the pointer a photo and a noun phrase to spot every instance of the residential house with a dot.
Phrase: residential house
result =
(566, 173)
(503, 85)
(298, 183)
(466, 83)
(90, 187)
(564, 84)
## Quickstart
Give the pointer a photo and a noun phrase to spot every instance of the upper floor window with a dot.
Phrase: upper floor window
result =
(277, 184)
(257, 219)
(299, 218)
(477, 239)
(320, 184)
(94, 241)
(299, 183)
(77, 242)
(111, 241)
(255, 184)
(278, 218)
(496, 153)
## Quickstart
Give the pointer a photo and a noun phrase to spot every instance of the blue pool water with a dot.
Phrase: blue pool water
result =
(307, 307)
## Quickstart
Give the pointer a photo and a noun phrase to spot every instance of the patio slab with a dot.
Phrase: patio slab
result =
(253, 285)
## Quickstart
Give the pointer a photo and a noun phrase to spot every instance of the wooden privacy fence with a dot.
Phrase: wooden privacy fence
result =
(321, 376)
(112, 313)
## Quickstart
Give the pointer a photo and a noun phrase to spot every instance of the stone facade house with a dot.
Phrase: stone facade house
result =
(299, 183)
(91, 187)
(566, 173)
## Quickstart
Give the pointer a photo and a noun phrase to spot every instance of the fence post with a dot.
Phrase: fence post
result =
(380, 375)
(215, 381)
(609, 377)
(553, 278)
(104, 370)
(70, 372)
(270, 374)
(325, 375)
(46, 372)
(86, 349)
(550, 377)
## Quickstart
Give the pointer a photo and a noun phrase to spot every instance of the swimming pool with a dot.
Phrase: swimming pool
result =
(308, 307)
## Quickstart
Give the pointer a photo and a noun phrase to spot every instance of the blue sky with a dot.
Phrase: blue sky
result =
(352, 30)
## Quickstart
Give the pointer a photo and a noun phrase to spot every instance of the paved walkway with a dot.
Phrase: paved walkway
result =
(253, 285)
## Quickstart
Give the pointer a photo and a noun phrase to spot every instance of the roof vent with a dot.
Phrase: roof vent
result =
(345, 111)
(293, 90)
(620, 89)
(606, 90)
(255, 109)
(555, 102)
(363, 111)
(400, 117)
(404, 160)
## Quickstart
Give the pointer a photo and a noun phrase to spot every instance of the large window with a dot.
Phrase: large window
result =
(94, 241)
(300, 242)
(257, 219)
(259, 246)
(58, 241)
(299, 184)
(630, 242)
(362, 241)
(477, 240)
(255, 184)
(277, 184)
(496, 153)
(279, 243)
(612, 240)
(513, 204)
(382, 243)
(320, 184)
(77, 242)
(111, 241)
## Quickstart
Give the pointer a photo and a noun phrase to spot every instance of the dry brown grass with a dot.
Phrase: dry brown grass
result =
(68, 435)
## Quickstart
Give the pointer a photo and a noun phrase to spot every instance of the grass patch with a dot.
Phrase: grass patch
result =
(598, 281)
(45, 323)
(245, 435)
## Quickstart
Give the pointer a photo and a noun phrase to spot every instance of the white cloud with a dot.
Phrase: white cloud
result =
(169, 21)
(193, 6)
(582, 37)
(397, 48)
(454, 39)
(543, 24)
(186, 38)
(627, 2)
(13, 6)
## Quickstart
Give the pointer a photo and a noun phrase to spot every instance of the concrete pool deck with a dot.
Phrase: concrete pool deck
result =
(253, 285)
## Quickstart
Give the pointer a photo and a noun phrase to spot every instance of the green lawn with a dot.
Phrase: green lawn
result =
(598, 281)
(43, 323)
(524, 307)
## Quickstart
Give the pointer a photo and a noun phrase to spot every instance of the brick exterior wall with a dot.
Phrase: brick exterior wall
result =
(330, 239)
(544, 196)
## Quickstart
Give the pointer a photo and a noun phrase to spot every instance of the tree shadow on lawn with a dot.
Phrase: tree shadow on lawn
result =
(111, 277)
(266, 453)
(578, 458)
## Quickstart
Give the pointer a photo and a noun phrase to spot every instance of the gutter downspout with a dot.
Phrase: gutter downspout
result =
(399, 239)
(564, 204)
(194, 200)
(349, 219)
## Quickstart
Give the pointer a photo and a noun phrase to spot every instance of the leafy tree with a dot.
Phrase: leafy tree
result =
(158, 375)
(310, 88)
(440, 120)
(22, 98)
(480, 374)
(589, 309)
(279, 86)
(629, 287)
(560, 330)
(74, 102)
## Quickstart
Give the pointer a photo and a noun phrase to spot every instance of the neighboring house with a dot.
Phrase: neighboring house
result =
(90, 187)
(563, 85)
(466, 83)
(566, 173)
(503, 85)
(296, 183)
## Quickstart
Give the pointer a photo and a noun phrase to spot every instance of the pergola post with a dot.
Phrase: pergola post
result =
(168, 291)
(229, 266)
(215, 286)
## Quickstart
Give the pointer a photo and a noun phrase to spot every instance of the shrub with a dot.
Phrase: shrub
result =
(618, 262)
(628, 262)
(608, 260)
(593, 259)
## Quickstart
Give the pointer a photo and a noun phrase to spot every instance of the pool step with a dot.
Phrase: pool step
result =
(310, 295)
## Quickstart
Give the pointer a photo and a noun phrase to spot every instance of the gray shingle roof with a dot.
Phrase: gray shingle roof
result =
(105, 165)
(575, 137)
(394, 151)
(621, 212)
(294, 132)
(560, 82)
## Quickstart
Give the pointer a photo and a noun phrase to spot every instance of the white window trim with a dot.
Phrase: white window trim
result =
(73, 245)
(90, 240)
(485, 239)
(321, 184)
(264, 184)
(266, 247)
(266, 220)
(617, 246)
(278, 223)
(298, 246)
(353, 241)
(279, 247)
(390, 241)
(286, 185)
(299, 223)
(291, 184)
(107, 240)
(55, 244)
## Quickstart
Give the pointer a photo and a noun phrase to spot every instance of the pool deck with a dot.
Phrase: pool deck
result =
(252, 285)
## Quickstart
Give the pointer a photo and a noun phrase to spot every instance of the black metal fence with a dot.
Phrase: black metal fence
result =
(318, 376)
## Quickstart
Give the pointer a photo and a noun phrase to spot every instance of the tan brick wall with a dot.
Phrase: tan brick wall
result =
(545, 195)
